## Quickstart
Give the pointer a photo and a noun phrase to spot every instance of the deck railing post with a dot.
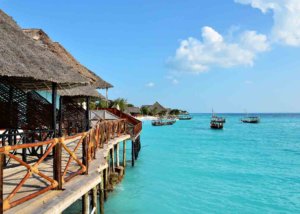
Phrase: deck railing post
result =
(85, 154)
(1, 181)
(57, 164)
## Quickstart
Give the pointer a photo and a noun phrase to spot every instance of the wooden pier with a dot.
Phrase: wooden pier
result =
(87, 161)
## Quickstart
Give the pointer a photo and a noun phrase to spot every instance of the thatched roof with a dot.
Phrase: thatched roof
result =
(81, 91)
(133, 110)
(29, 64)
(43, 39)
(159, 108)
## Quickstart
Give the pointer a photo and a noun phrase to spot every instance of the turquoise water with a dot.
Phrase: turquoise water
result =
(189, 168)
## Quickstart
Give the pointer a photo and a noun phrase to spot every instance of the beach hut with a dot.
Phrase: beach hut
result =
(26, 66)
(74, 102)
(133, 110)
(157, 108)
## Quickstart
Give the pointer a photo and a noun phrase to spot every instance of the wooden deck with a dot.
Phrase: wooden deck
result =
(55, 201)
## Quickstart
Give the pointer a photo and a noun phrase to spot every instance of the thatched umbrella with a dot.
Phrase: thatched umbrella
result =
(29, 64)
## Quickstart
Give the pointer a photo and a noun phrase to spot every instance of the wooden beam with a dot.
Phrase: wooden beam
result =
(94, 199)
(85, 203)
(118, 154)
(1, 181)
(132, 153)
(124, 155)
(87, 113)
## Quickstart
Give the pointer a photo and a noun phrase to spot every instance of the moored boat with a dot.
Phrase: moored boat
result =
(253, 119)
(216, 125)
(184, 117)
(216, 122)
(163, 122)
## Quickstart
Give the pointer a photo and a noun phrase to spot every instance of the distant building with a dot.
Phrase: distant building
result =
(134, 111)
(157, 107)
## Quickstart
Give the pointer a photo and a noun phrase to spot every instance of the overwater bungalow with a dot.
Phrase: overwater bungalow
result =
(38, 160)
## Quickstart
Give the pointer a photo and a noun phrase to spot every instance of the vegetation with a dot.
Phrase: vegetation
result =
(145, 110)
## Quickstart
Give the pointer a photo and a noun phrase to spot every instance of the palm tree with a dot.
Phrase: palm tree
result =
(121, 103)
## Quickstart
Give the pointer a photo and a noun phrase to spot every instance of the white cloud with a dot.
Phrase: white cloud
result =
(286, 15)
(198, 56)
(150, 84)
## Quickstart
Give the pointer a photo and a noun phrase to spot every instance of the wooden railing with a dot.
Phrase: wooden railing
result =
(79, 149)
(137, 124)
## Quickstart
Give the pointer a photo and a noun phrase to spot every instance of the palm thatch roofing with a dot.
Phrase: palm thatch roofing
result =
(157, 106)
(29, 64)
(81, 91)
(43, 39)
(133, 110)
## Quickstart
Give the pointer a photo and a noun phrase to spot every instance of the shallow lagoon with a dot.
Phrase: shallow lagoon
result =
(189, 168)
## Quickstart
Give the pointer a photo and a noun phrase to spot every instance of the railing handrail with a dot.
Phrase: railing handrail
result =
(135, 122)
(90, 140)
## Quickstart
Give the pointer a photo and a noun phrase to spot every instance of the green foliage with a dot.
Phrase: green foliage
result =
(175, 112)
(101, 104)
(145, 110)
(121, 103)
(162, 113)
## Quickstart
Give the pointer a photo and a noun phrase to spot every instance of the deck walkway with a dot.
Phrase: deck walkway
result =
(55, 201)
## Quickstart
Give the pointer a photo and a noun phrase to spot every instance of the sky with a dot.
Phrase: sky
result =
(229, 55)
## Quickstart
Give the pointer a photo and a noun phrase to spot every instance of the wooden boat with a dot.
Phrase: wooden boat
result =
(216, 122)
(216, 125)
(184, 117)
(253, 119)
(163, 122)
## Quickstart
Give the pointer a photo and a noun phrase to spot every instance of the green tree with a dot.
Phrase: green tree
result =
(121, 103)
(145, 110)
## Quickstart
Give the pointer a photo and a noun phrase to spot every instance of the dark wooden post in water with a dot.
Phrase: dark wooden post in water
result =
(57, 150)
(124, 155)
(113, 158)
(1, 181)
(105, 183)
(101, 195)
(94, 199)
(132, 153)
(85, 203)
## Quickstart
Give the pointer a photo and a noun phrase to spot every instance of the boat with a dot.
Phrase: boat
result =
(253, 119)
(163, 122)
(184, 117)
(216, 125)
(216, 122)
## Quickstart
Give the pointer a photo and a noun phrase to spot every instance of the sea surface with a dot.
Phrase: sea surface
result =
(188, 168)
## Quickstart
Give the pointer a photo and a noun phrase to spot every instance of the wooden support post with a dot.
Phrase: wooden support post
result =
(124, 155)
(57, 165)
(94, 199)
(132, 153)
(113, 158)
(24, 155)
(87, 113)
(85, 203)
(105, 181)
(85, 155)
(54, 95)
(101, 197)
(57, 150)
(118, 155)
(1, 181)
(60, 116)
